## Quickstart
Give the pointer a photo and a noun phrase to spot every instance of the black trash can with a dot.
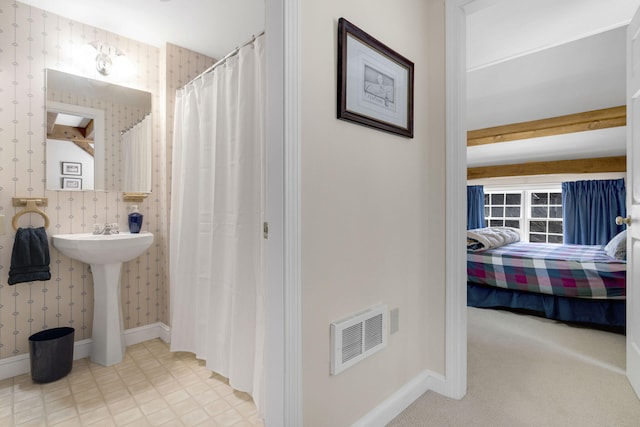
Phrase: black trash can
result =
(51, 354)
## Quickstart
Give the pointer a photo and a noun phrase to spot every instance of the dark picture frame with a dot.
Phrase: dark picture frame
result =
(71, 168)
(71, 183)
(375, 83)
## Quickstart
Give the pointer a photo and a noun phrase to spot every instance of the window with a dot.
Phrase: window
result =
(537, 213)
(503, 209)
(545, 223)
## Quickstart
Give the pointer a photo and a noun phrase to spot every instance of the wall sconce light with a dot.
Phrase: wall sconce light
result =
(107, 57)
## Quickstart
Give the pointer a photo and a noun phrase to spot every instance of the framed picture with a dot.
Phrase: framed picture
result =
(375, 83)
(71, 168)
(72, 183)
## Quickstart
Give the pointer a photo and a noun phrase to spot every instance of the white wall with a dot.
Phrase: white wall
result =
(372, 211)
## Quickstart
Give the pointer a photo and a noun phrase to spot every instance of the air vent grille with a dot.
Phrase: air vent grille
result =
(373, 336)
(357, 337)
(351, 342)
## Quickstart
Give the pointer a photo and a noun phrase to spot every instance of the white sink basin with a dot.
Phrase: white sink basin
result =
(103, 249)
(105, 254)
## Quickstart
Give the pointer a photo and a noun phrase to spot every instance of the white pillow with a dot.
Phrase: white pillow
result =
(617, 247)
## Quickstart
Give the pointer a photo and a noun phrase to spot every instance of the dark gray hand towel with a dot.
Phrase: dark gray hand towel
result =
(30, 256)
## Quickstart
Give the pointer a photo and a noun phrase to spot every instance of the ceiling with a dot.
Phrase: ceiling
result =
(500, 30)
(582, 75)
(497, 30)
(527, 59)
(211, 27)
(535, 59)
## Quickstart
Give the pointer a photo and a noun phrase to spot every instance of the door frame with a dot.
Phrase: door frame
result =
(283, 321)
(456, 202)
(274, 348)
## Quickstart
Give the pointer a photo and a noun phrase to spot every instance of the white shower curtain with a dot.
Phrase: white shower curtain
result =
(217, 205)
(136, 152)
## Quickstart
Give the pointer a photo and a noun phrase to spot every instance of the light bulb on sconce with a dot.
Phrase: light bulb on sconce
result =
(110, 58)
(104, 63)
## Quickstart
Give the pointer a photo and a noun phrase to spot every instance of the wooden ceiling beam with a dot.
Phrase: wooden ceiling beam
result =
(72, 134)
(68, 133)
(593, 165)
(89, 130)
(589, 120)
(85, 146)
(51, 121)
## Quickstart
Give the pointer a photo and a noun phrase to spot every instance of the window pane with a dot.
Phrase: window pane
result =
(512, 212)
(555, 227)
(555, 198)
(555, 211)
(537, 238)
(539, 212)
(538, 226)
(513, 199)
(541, 209)
(555, 239)
(539, 198)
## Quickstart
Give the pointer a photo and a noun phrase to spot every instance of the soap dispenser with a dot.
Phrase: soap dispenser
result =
(135, 220)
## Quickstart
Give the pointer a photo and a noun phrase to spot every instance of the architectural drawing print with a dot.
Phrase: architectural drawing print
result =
(379, 88)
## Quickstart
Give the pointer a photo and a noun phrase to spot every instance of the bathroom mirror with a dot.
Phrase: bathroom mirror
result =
(99, 135)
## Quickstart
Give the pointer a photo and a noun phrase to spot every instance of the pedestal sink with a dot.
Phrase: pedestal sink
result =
(105, 254)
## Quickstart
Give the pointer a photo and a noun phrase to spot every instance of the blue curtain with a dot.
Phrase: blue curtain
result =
(589, 210)
(475, 206)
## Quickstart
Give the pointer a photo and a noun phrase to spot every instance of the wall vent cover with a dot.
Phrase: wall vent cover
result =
(357, 337)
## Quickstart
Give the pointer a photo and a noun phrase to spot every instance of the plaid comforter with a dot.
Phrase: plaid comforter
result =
(565, 270)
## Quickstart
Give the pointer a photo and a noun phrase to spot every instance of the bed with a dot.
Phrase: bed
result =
(570, 283)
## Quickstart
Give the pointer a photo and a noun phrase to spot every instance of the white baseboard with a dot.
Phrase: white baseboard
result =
(14, 366)
(81, 349)
(381, 415)
(18, 365)
(147, 332)
(438, 384)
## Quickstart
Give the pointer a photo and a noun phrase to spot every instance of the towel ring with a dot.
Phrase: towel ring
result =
(31, 207)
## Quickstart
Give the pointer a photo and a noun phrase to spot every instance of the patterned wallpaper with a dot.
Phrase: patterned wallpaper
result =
(32, 40)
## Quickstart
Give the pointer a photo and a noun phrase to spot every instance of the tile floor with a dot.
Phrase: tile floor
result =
(151, 387)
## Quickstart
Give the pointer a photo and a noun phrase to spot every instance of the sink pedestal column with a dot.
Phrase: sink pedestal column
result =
(105, 253)
(107, 347)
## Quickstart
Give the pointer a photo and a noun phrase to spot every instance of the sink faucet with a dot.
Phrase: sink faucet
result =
(105, 229)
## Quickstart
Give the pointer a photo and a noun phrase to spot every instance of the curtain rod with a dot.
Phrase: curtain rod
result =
(224, 59)
(122, 132)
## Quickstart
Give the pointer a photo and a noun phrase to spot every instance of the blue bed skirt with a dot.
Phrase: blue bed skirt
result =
(605, 314)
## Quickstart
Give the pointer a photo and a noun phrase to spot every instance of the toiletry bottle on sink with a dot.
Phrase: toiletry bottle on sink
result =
(135, 220)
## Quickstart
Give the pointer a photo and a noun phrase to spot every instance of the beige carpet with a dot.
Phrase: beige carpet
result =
(527, 371)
